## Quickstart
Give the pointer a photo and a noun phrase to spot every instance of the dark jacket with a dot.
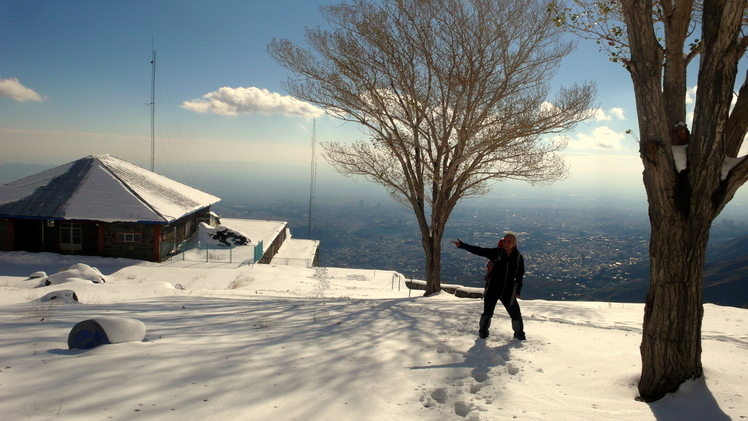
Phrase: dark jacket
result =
(507, 271)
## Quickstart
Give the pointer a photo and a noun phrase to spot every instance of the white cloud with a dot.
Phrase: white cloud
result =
(601, 116)
(231, 101)
(616, 113)
(549, 107)
(12, 88)
(602, 138)
(691, 95)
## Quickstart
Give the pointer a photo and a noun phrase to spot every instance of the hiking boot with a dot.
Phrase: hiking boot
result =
(484, 324)
(519, 329)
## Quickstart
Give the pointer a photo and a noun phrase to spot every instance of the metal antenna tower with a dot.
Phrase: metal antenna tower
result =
(313, 178)
(153, 110)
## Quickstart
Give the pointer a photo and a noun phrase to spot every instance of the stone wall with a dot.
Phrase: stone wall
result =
(273, 248)
(142, 250)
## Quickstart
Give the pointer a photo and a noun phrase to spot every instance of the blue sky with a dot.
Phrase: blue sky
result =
(75, 80)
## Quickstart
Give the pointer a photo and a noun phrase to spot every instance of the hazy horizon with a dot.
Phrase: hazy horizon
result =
(264, 184)
(289, 182)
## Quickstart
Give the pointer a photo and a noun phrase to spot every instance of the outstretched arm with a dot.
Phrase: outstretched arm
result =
(490, 254)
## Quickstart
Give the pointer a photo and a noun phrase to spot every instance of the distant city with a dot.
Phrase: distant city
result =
(575, 247)
(571, 251)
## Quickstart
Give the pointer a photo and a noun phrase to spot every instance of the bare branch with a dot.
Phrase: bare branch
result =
(453, 95)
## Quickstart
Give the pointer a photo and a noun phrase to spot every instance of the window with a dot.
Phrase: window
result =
(129, 237)
(71, 236)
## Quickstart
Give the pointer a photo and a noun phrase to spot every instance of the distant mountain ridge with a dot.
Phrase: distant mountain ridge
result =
(725, 278)
(726, 273)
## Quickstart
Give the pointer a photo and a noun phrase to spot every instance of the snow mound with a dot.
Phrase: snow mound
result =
(37, 275)
(63, 296)
(77, 273)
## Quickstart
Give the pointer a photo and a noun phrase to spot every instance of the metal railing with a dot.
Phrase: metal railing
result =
(290, 261)
(211, 253)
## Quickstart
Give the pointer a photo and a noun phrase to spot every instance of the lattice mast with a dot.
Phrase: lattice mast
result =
(313, 177)
(153, 110)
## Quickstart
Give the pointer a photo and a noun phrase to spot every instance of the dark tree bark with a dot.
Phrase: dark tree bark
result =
(683, 202)
(657, 41)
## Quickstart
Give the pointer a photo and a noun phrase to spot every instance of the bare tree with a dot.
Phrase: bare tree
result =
(656, 41)
(451, 93)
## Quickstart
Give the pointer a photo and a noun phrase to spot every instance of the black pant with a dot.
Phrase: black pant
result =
(510, 303)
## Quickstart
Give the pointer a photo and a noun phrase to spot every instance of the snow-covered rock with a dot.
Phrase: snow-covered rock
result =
(79, 272)
(105, 330)
(63, 296)
(37, 275)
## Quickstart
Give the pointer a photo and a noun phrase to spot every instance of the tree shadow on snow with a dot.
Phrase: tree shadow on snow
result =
(289, 345)
(693, 401)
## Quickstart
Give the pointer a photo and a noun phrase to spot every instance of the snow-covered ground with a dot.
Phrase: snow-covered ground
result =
(290, 343)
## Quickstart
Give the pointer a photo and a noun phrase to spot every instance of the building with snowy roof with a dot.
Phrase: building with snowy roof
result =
(100, 205)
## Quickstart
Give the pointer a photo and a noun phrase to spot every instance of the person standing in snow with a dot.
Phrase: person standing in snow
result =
(504, 284)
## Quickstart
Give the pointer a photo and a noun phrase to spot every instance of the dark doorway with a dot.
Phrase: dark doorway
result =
(29, 235)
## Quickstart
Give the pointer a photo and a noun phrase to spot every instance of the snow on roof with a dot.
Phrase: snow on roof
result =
(101, 188)
(294, 247)
(256, 230)
(297, 249)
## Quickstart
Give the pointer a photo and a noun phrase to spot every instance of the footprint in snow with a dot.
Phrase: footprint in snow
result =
(480, 374)
(439, 395)
(475, 388)
(512, 369)
(462, 408)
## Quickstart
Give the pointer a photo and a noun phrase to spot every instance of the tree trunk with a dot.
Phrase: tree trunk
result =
(683, 203)
(431, 238)
(433, 248)
(671, 339)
